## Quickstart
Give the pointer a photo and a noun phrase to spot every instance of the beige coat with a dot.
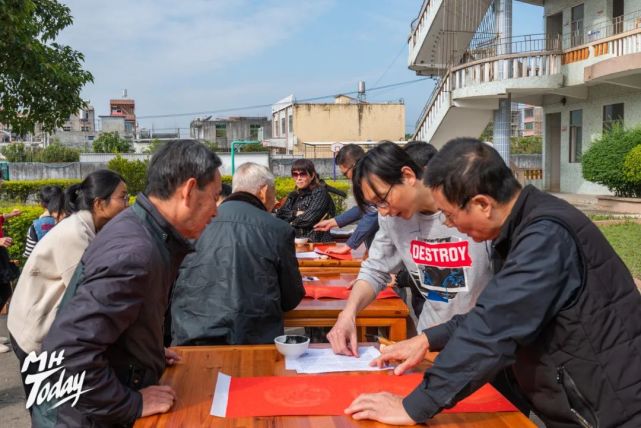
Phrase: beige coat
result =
(45, 277)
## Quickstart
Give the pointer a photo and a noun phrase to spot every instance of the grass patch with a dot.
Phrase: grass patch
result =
(625, 239)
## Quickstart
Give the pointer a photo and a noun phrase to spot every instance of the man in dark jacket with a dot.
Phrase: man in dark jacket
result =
(561, 318)
(110, 324)
(244, 274)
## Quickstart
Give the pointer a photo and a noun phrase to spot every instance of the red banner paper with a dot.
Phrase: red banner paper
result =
(342, 293)
(322, 249)
(329, 395)
(441, 254)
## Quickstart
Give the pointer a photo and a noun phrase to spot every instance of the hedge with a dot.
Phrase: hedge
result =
(17, 227)
(28, 189)
(632, 166)
(603, 162)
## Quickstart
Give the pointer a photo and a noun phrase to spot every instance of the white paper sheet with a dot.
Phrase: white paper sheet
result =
(308, 255)
(221, 396)
(325, 361)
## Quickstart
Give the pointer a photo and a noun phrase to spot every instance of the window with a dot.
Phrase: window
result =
(528, 112)
(612, 114)
(576, 26)
(529, 126)
(221, 130)
(253, 131)
(576, 135)
(283, 131)
(291, 123)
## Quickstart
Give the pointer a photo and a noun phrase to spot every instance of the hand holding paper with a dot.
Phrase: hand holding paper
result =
(410, 352)
(383, 407)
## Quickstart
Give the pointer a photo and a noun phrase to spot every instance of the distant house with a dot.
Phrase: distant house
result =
(222, 131)
(79, 129)
(295, 124)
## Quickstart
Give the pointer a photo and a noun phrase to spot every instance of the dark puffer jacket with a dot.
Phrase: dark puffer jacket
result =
(242, 277)
(110, 323)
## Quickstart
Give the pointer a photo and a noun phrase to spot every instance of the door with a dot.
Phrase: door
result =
(553, 31)
(617, 16)
(576, 26)
(553, 152)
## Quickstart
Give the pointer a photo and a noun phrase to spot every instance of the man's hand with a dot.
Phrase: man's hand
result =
(410, 352)
(339, 249)
(157, 399)
(383, 407)
(171, 357)
(325, 225)
(6, 242)
(342, 336)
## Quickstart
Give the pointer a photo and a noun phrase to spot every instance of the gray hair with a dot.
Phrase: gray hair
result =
(250, 177)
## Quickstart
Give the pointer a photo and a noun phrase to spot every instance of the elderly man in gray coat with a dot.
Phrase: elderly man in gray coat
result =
(244, 273)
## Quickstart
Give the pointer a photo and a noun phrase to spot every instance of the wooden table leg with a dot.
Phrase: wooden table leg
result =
(398, 329)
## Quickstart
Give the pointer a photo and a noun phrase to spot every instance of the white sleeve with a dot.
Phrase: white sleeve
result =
(382, 260)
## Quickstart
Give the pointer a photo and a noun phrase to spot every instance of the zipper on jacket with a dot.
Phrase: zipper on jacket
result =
(579, 406)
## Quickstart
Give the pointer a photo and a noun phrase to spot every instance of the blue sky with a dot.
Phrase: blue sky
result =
(197, 55)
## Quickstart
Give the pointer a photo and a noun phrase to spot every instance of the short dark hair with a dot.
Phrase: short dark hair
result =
(466, 167)
(178, 161)
(99, 184)
(384, 161)
(309, 167)
(420, 152)
(349, 154)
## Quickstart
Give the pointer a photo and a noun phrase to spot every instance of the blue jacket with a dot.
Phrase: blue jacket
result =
(366, 228)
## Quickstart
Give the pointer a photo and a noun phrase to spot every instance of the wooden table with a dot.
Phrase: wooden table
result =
(194, 379)
(391, 313)
(325, 263)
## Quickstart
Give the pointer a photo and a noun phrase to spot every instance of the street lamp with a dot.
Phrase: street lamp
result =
(238, 142)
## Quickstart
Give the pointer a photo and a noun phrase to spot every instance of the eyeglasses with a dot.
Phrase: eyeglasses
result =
(296, 174)
(450, 216)
(124, 198)
(382, 203)
(348, 170)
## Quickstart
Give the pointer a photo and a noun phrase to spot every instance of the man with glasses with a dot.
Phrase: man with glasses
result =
(447, 268)
(346, 160)
(561, 318)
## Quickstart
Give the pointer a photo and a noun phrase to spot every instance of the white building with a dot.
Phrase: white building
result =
(585, 71)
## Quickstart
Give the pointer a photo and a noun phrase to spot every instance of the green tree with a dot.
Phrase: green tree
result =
(18, 152)
(603, 162)
(526, 145)
(488, 133)
(56, 152)
(40, 80)
(154, 146)
(134, 172)
(110, 142)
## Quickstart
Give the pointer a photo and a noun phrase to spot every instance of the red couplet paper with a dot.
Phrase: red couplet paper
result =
(322, 249)
(329, 395)
(342, 293)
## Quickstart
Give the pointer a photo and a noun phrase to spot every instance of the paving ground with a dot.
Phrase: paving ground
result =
(12, 402)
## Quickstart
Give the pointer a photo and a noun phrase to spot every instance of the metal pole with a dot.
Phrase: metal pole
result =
(503, 116)
(233, 143)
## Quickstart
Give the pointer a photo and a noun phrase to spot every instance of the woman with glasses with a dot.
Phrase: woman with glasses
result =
(308, 204)
(49, 269)
(448, 268)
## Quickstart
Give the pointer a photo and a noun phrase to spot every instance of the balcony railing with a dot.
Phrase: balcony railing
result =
(440, 97)
(513, 45)
(579, 35)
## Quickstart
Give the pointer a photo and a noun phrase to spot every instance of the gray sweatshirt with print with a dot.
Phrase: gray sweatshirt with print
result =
(448, 268)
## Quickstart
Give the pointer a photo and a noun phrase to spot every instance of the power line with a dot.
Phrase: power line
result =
(392, 63)
(200, 113)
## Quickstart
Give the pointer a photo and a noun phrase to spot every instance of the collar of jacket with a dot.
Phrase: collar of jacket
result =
(502, 242)
(246, 197)
(164, 230)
